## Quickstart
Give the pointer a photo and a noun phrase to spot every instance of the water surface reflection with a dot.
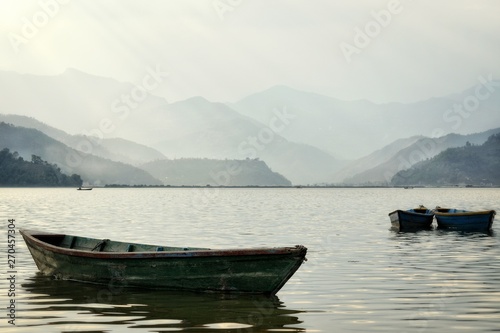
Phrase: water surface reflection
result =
(78, 307)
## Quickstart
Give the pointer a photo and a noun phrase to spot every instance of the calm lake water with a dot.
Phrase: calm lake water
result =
(360, 276)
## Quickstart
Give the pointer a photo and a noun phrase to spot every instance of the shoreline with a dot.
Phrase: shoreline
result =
(255, 186)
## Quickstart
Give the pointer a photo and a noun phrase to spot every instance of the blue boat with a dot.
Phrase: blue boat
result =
(412, 219)
(464, 220)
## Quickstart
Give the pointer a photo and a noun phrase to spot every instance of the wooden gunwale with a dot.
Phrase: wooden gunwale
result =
(29, 237)
(468, 213)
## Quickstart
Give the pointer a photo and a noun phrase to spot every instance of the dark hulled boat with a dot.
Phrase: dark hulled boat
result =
(255, 270)
(412, 219)
(464, 220)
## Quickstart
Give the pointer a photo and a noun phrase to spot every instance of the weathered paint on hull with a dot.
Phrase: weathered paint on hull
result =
(466, 221)
(262, 271)
(405, 220)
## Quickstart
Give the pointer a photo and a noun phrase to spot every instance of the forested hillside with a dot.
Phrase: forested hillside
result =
(469, 165)
(94, 170)
(15, 171)
(203, 171)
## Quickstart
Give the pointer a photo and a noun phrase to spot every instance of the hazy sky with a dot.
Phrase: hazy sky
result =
(226, 49)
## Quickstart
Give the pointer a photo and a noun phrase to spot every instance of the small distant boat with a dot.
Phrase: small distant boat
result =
(84, 188)
(464, 220)
(412, 219)
(103, 261)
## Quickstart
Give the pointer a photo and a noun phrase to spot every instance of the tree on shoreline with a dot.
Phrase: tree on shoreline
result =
(15, 171)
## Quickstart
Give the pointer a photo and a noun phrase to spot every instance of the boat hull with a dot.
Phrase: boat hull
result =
(259, 271)
(465, 220)
(410, 220)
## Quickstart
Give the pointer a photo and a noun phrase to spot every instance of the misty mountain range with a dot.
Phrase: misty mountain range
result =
(93, 169)
(470, 164)
(306, 137)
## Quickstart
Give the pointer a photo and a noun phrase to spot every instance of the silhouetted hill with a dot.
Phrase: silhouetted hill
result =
(80, 103)
(15, 171)
(115, 149)
(99, 171)
(358, 168)
(302, 135)
(471, 164)
(93, 170)
(421, 149)
(200, 128)
(351, 129)
(201, 172)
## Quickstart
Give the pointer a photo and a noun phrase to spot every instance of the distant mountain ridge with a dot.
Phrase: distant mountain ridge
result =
(115, 149)
(202, 172)
(308, 138)
(379, 157)
(100, 171)
(338, 126)
(194, 128)
(92, 169)
(199, 128)
(467, 165)
(421, 149)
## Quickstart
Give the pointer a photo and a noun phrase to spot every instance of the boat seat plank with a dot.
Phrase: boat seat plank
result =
(68, 242)
(99, 247)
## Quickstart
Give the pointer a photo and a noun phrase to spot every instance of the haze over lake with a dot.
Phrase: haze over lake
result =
(322, 93)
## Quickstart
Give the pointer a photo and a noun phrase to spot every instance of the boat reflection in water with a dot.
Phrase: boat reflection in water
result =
(70, 306)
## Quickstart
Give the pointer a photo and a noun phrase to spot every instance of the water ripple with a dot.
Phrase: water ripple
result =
(360, 276)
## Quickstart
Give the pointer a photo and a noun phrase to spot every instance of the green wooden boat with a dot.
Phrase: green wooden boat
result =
(102, 261)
